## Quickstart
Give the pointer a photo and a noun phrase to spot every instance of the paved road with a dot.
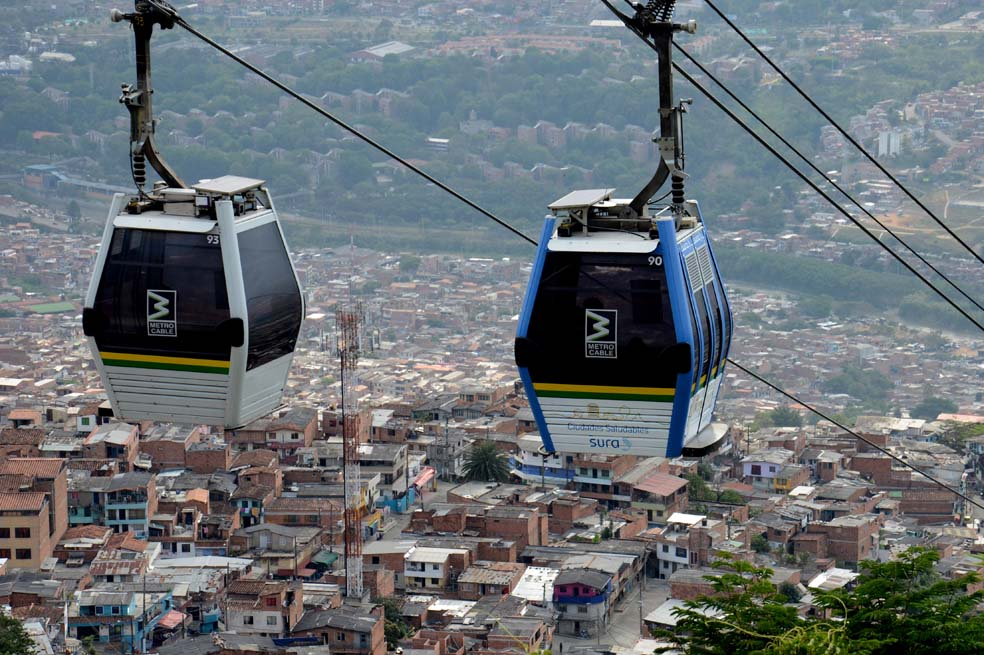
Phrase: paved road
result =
(396, 523)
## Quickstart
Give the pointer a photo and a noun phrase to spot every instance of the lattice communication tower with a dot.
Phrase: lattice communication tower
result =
(348, 323)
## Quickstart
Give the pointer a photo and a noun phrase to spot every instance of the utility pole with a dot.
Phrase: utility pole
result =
(347, 323)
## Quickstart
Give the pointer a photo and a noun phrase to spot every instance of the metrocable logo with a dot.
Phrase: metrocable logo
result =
(161, 313)
(600, 333)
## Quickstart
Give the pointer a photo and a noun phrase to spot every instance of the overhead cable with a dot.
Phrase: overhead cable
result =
(774, 387)
(635, 29)
(337, 121)
(775, 153)
(834, 184)
(844, 132)
(515, 231)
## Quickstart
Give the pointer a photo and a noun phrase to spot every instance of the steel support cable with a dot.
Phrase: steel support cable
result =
(854, 434)
(844, 133)
(775, 153)
(533, 242)
(813, 166)
(339, 122)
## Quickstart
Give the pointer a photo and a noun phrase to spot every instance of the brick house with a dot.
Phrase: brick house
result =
(432, 569)
(306, 512)
(595, 476)
(489, 579)
(389, 555)
(660, 495)
(117, 441)
(48, 476)
(345, 631)
(565, 511)
(167, 445)
(209, 456)
(25, 535)
(21, 442)
(263, 607)
(518, 635)
(849, 539)
(295, 429)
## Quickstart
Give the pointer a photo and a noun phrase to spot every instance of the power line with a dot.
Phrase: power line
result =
(843, 132)
(180, 21)
(635, 29)
(337, 121)
(697, 85)
(851, 432)
(813, 166)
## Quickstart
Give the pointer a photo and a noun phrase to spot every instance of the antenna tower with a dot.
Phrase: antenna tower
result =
(347, 325)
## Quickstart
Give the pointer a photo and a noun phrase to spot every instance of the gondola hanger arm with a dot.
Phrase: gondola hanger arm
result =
(138, 98)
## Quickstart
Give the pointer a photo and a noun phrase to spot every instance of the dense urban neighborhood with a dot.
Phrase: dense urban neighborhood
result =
(175, 539)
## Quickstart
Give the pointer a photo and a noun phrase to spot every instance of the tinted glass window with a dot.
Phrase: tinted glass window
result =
(693, 324)
(162, 293)
(601, 319)
(705, 325)
(726, 314)
(273, 300)
(715, 323)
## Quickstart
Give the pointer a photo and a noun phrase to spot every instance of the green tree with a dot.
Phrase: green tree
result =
(395, 627)
(409, 264)
(786, 417)
(73, 211)
(486, 462)
(903, 607)
(790, 591)
(731, 496)
(760, 544)
(13, 638)
(930, 408)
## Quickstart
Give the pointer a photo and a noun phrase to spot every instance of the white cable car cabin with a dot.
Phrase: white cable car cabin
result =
(194, 307)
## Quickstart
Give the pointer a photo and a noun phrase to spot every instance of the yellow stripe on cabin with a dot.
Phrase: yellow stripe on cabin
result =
(157, 359)
(592, 388)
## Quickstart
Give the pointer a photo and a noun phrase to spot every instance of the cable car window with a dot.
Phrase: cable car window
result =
(706, 328)
(693, 324)
(162, 293)
(716, 322)
(726, 315)
(273, 300)
(602, 319)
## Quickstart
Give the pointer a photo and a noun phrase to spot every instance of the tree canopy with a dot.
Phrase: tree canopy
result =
(902, 607)
(13, 638)
(487, 463)
(930, 408)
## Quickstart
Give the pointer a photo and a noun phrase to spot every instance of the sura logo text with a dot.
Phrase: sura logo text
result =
(617, 444)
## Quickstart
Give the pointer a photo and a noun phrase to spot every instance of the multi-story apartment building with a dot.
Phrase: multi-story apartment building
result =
(595, 477)
(117, 441)
(130, 502)
(110, 615)
(263, 607)
(581, 599)
(346, 631)
(433, 569)
(48, 476)
(25, 539)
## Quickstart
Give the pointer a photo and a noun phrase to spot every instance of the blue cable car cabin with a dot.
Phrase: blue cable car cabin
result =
(194, 308)
(624, 331)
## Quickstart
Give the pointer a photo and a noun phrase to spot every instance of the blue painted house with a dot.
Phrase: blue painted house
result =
(582, 599)
(110, 615)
